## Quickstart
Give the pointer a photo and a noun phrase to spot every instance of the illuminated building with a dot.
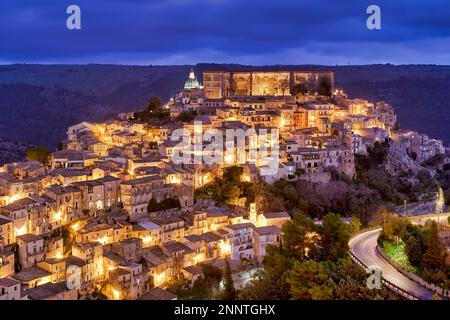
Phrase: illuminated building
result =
(240, 237)
(263, 237)
(6, 262)
(31, 250)
(192, 82)
(220, 84)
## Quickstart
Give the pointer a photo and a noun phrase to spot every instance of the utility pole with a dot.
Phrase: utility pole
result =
(440, 203)
(404, 208)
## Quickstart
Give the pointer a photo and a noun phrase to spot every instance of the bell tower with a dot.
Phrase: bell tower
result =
(252, 216)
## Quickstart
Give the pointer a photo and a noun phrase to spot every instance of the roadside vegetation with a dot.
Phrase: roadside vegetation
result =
(417, 249)
(312, 263)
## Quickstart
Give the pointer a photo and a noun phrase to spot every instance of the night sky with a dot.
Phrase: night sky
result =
(239, 31)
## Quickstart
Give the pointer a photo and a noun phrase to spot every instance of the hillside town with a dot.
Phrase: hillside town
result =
(112, 213)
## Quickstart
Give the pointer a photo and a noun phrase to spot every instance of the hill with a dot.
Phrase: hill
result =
(39, 102)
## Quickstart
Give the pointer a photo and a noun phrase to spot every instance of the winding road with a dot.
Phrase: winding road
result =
(363, 247)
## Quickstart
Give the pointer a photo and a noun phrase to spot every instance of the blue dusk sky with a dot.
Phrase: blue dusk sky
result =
(163, 32)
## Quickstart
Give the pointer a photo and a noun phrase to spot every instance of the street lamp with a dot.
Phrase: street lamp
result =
(440, 203)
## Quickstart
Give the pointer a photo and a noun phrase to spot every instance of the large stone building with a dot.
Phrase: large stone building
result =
(222, 84)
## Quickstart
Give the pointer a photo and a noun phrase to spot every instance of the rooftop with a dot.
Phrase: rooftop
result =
(95, 228)
(30, 274)
(47, 290)
(158, 294)
(12, 207)
(8, 282)
(194, 270)
(240, 226)
(141, 180)
(166, 220)
(175, 246)
(268, 230)
(276, 215)
(75, 261)
(30, 238)
(4, 221)
(210, 237)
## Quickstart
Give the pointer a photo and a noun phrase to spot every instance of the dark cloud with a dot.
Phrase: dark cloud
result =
(245, 31)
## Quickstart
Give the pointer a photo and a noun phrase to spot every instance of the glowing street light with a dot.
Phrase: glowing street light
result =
(103, 240)
(147, 240)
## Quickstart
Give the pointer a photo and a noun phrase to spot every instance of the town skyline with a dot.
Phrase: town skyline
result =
(225, 150)
(152, 205)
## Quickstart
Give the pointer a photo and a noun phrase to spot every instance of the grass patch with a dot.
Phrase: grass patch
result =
(397, 254)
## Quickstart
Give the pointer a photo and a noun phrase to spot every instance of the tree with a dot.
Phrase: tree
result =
(40, 154)
(212, 273)
(284, 85)
(232, 192)
(152, 112)
(98, 295)
(355, 225)
(396, 227)
(233, 174)
(350, 283)
(213, 276)
(325, 87)
(166, 204)
(334, 237)
(296, 236)
(186, 116)
(413, 251)
(229, 292)
(309, 281)
(299, 88)
(270, 283)
(435, 253)
(153, 205)
(277, 262)
(153, 104)
(264, 287)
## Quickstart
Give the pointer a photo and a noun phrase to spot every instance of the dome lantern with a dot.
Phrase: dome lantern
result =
(192, 82)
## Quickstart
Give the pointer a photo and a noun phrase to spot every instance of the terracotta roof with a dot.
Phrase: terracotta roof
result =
(276, 215)
(267, 230)
(47, 290)
(32, 273)
(8, 282)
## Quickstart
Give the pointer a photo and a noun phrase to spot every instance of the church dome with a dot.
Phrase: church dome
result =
(192, 82)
